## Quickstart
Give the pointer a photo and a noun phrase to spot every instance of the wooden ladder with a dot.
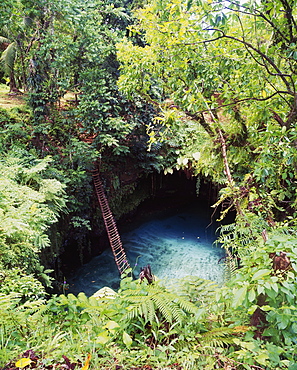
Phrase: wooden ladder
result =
(110, 225)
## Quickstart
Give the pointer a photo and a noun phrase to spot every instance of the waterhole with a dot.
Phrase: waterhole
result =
(175, 245)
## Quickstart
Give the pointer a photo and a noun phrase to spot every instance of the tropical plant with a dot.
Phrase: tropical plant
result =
(222, 75)
(17, 39)
(151, 300)
(70, 327)
(204, 77)
(7, 59)
(29, 204)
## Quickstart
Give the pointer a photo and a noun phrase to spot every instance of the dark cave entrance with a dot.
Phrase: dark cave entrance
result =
(166, 194)
(174, 203)
(173, 192)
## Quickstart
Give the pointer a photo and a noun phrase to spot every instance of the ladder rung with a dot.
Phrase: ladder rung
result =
(110, 225)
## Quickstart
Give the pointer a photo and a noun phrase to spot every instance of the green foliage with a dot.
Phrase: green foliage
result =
(263, 293)
(73, 326)
(222, 76)
(224, 86)
(15, 128)
(151, 300)
(25, 285)
(8, 56)
(29, 204)
(193, 288)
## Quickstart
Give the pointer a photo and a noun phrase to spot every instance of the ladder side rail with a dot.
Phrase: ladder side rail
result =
(110, 225)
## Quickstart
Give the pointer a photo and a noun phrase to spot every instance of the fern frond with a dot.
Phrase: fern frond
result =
(149, 300)
(177, 313)
(164, 306)
(144, 310)
(9, 300)
(217, 337)
(193, 290)
(132, 312)
(186, 305)
(231, 266)
(151, 311)
(133, 292)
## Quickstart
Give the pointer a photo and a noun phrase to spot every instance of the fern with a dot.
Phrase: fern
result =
(192, 289)
(147, 301)
(231, 265)
(164, 306)
(217, 337)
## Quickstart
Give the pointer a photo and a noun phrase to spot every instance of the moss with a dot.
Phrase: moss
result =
(129, 198)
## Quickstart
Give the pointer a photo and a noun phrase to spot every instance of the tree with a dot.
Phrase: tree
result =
(223, 75)
(17, 38)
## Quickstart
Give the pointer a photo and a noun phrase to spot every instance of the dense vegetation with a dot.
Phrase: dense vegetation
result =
(210, 85)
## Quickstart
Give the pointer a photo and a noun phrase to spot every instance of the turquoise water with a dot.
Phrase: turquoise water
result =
(175, 246)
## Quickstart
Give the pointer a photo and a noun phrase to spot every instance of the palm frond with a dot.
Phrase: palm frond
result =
(4, 40)
(8, 57)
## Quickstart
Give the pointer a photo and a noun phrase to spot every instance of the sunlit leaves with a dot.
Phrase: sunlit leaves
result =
(239, 296)
(127, 339)
(261, 273)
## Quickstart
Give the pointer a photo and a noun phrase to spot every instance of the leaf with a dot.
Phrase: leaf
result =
(189, 4)
(239, 296)
(260, 273)
(23, 362)
(262, 357)
(86, 365)
(266, 308)
(111, 325)
(280, 238)
(283, 324)
(196, 155)
(168, 170)
(127, 339)
(252, 295)
(252, 309)
(103, 337)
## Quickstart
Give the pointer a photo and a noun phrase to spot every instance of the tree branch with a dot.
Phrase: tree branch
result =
(264, 57)
(290, 19)
(198, 116)
(261, 15)
(228, 172)
(244, 100)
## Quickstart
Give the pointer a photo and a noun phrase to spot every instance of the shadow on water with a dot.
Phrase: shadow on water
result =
(176, 244)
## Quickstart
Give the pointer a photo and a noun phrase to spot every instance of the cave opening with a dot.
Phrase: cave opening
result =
(173, 231)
